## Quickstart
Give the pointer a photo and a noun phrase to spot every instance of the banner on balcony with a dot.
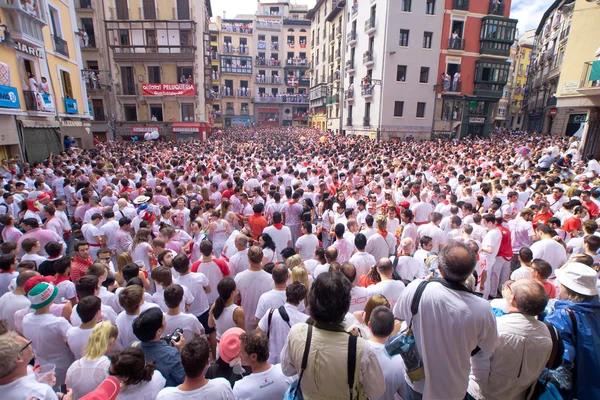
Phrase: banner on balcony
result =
(9, 97)
(159, 89)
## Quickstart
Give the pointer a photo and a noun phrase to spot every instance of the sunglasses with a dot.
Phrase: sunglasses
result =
(24, 347)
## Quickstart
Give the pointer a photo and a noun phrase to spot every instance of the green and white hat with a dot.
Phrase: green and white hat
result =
(42, 294)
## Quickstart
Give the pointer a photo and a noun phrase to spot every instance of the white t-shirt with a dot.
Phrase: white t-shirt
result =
(196, 282)
(159, 298)
(272, 299)
(359, 297)
(77, 339)
(320, 269)
(363, 262)
(252, 285)
(492, 239)
(521, 273)
(189, 323)
(11, 303)
(410, 268)
(270, 384)
(436, 234)
(239, 262)
(306, 245)
(217, 388)
(144, 389)
(551, 251)
(66, 291)
(281, 238)
(37, 259)
(5, 280)
(84, 375)
(393, 371)
(108, 313)
(380, 247)
(26, 388)
(390, 289)
(279, 329)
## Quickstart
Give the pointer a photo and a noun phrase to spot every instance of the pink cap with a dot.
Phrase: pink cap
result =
(230, 344)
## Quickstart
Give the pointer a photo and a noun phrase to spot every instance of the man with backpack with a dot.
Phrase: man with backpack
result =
(524, 347)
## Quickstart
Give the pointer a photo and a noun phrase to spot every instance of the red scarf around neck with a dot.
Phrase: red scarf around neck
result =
(60, 278)
(278, 226)
(382, 233)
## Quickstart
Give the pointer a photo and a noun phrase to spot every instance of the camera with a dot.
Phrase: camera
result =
(174, 336)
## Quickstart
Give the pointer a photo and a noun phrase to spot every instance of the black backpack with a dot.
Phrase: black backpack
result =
(558, 348)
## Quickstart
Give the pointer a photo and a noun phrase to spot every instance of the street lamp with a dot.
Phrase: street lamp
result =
(6, 39)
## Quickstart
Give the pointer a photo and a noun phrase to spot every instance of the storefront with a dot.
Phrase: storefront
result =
(186, 131)
(80, 131)
(241, 121)
(40, 138)
(9, 137)
(268, 116)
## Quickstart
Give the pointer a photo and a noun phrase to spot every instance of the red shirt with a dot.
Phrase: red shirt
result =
(550, 289)
(78, 267)
(222, 264)
(572, 224)
(257, 223)
(592, 209)
(505, 250)
(541, 218)
(228, 193)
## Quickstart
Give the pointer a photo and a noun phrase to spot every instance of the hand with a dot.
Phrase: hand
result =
(66, 396)
(178, 345)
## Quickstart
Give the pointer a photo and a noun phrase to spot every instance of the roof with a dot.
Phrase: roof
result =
(548, 12)
(311, 13)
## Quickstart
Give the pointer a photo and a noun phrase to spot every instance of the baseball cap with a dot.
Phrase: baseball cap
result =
(230, 344)
(579, 278)
(42, 294)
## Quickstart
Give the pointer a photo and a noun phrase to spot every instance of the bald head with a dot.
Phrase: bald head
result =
(349, 271)
(241, 242)
(331, 254)
(25, 276)
(385, 267)
(529, 297)
(408, 245)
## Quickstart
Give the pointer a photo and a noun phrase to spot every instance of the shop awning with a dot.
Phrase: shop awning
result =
(187, 127)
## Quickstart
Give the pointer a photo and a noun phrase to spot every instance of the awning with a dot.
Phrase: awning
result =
(268, 110)
(189, 127)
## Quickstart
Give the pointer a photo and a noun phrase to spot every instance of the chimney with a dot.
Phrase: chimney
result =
(224, 14)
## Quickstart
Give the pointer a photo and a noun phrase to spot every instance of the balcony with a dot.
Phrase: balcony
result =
(366, 121)
(282, 98)
(70, 106)
(452, 88)
(83, 4)
(494, 48)
(350, 66)
(39, 102)
(244, 92)
(297, 62)
(368, 59)
(496, 8)
(462, 5)
(354, 10)
(88, 43)
(229, 111)
(183, 13)
(552, 102)
(351, 38)
(99, 114)
(272, 26)
(260, 62)
(270, 80)
(590, 79)
(337, 6)
(491, 90)
(60, 46)
(245, 113)
(96, 80)
(370, 25)
(338, 55)
(456, 44)
(335, 99)
(242, 28)
(274, 46)
(331, 37)
(241, 69)
(565, 33)
(304, 81)
(330, 79)
(367, 91)
(338, 32)
(348, 121)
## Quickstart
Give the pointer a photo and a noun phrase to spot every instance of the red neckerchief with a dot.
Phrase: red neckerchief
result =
(278, 226)
(10, 271)
(291, 203)
(382, 233)
(59, 279)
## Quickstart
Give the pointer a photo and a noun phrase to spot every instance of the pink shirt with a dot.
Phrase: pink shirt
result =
(44, 236)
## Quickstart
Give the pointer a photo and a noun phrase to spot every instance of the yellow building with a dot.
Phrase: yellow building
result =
(161, 72)
(578, 91)
(520, 56)
(42, 97)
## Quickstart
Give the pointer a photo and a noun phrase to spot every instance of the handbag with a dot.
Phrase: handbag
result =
(294, 392)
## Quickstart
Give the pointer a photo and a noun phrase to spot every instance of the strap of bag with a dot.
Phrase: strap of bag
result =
(284, 315)
(306, 352)
(269, 322)
(352, 340)
(575, 332)
(554, 342)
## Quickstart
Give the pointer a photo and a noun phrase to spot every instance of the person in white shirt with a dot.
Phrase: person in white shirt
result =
(195, 359)
(198, 285)
(344, 247)
(388, 287)
(409, 228)
(108, 231)
(519, 329)
(408, 267)
(131, 300)
(276, 296)
(266, 381)
(277, 322)
(422, 209)
(281, 235)
(252, 283)
(89, 310)
(381, 326)
(239, 261)
(525, 271)
(361, 260)
(359, 295)
(489, 250)
(548, 249)
(175, 318)
(447, 368)
(382, 243)
(92, 235)
(307, 242)
(89, 285)
(16, 300)
(433, 230)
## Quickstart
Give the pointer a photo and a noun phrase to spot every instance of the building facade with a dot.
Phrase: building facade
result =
(578, 93)
(42, 97)
(390, 68)
(550, 42)
(473, 67)
(160, 60)
(520, 57)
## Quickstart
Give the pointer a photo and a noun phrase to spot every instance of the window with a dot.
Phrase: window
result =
(55, 22)
(404, 37)
(98, 109)
(130, 112)
(149, 9)
(122, 9)
(187, 112)
(128, 81)
(401, 73)
(88, 27)
(430, 7)
(498, 29)
(427, 38)
(420, 110)
(65, 79)
(406, 5)
(154, 75)
(398, 109)
(424, 76)
(156, 113)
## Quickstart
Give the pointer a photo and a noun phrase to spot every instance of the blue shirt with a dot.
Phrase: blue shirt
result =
(168, 361)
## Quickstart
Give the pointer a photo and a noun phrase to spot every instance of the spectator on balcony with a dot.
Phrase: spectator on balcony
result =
(44, 86)
(33, 83)
(456, 82)
(183, 79)
(454, 40)
(446, 84)
(190, 80)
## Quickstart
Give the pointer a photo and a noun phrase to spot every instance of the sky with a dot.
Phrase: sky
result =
(528, 12)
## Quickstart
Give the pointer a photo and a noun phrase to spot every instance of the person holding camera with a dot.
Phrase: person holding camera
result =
(149, 328)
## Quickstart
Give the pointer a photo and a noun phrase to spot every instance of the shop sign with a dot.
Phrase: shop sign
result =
(179, 89)
(578, 118)
(477, 120)
(186, 129)
(9, 97)
(32, 51)
(137, 130)
(75, 124)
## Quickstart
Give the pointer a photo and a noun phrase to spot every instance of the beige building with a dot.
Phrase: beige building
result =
(520, 57)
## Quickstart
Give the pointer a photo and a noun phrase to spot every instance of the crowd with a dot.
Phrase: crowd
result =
(272, 262)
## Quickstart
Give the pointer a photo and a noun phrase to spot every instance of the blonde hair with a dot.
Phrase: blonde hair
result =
(225, 204)
(140, 237)
(99, 340)
(373, 302)
(122, 260)
(300, 274)
(294, 261)
(381, 222)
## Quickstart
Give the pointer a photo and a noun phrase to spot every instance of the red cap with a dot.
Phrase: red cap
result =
(31, 282)
(43, 196)
(108, 390)
(405, 204)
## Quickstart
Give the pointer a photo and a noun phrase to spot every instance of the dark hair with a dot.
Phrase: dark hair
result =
(287, 252)
(88, 307)
(329, 298)
(31, 222)
(53, 249)
(147, 324)
(360, 241)
(280, 274)
(130, 364)
(130, 298)
(6, 261)
(181, 263)
(295, 293)
(194, 357)
(86, 286)
(129, 271)
(276, 218)
(173, 295)
(29, 243)
(206, 247)
(61, 265)
(225, 288)
(162, 275)
(269, 243)
(456, 261)
(382, 321)
(80, 244)
(530, 296)
(542, 267)
(96, 269)
(255, 342)
(526, 254)
(124, 221)
(339, 230)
